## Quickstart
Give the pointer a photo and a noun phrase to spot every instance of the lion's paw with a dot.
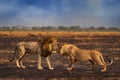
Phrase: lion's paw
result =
(103, 70)
(68, 68)
(40, 68)
(23, 67)
(51, 68)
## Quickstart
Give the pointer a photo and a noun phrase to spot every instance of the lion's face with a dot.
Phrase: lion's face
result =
(62, 50)
(50, 44)
(53, 47)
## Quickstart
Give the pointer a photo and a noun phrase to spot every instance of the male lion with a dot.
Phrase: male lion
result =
(81, 55)
(43, 48)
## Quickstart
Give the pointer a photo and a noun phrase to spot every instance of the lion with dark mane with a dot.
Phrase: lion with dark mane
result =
(76, 54)
(43, 48)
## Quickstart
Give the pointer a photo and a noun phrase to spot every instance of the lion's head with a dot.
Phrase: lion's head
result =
(45, 40)
(64, 49)
(49, 45)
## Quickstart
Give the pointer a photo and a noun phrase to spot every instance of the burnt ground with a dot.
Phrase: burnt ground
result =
(108, 45)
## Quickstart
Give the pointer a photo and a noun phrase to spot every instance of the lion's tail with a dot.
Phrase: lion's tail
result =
(110, 62)
(13, 55)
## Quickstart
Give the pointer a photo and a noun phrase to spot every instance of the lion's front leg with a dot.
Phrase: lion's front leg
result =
(71, 64)
(72, 58)
(39, 62)
(48, 62)
(92, 63)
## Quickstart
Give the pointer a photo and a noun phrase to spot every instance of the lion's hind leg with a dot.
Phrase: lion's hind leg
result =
(19, 58)
(19, 62)
(100, 62)
(92, 63)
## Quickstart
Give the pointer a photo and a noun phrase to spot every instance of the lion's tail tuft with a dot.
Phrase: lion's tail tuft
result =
(110, 62)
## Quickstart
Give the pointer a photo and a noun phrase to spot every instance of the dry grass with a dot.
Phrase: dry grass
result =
(55, 33)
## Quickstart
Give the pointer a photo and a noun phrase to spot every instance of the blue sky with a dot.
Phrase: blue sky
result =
(60, 12)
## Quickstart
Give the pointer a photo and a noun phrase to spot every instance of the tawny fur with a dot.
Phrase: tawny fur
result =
(82, 55)
(42, 48)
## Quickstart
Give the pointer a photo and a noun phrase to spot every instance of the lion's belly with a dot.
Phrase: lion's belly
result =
(32, 47)
(45, 54)
(83, 57)
(29, 51)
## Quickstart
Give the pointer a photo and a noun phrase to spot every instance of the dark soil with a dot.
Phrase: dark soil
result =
(109, 46)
